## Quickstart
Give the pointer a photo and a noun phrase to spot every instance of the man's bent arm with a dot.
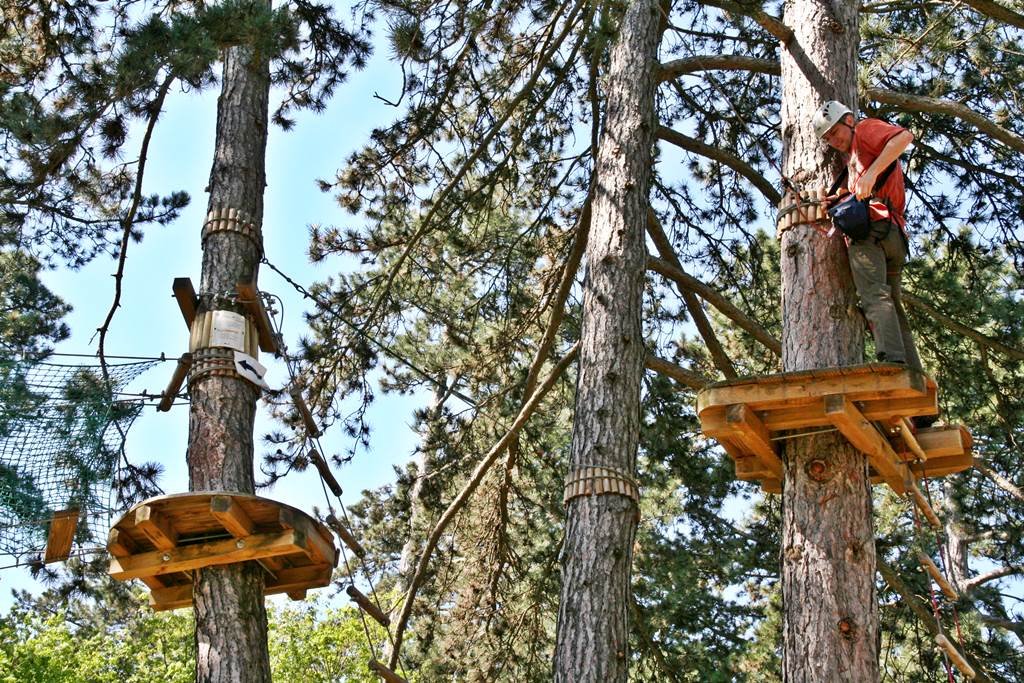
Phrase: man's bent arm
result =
(892, 150)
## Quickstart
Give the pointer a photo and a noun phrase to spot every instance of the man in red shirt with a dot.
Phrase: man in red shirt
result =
(869, 147)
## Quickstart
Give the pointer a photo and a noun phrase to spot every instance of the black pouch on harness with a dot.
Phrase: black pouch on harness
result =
(851, 216)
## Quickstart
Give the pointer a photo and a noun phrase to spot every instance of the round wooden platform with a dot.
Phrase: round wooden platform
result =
(162, 540)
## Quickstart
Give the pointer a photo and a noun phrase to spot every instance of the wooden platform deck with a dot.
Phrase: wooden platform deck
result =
(162, 540)
(869, 404)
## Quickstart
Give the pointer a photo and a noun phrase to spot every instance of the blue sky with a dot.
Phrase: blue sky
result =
(149, 322)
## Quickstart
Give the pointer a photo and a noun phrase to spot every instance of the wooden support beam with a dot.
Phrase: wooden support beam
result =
(155, 527)
(227, 551)
(386, 674)
(346, 536)
(119, 544)
(939, 442)
(945, 586)
(325, 471)
(229, 513)
(297, 594)
(287, 581)
(865, 438)
(752, 468)
(367, 606)
(177, 379)
(61, 535)
(250, 297)
(771, 486)
(741, 432)
(954, 656)
(924, 507)
(906, 434)
(317, 547)
(188, 302)
(307, 417)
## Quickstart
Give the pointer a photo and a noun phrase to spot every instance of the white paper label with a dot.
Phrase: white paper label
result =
(228, 330)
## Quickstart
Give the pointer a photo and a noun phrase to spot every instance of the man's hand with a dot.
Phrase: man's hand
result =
(865, 184)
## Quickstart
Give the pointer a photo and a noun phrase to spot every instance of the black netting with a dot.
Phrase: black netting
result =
(62, 432)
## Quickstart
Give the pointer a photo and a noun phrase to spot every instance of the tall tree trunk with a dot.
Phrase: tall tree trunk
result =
(957, 546)
(830, 627)
(231, 619)
(591, 639)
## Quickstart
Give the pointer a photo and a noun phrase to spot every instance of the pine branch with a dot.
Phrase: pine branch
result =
(727, 308)
(467, 165)
(1016, 627)
(688, 65)
(966, 331)
(128, 222)
(934, 105)
(689, 378)
(996, 11)
(721, 156)
(1000, 481)
(474, 481)
(768, 22)
(1002, 572)
(700, 319)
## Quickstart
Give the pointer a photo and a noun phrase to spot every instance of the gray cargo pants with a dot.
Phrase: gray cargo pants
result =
(877, 264)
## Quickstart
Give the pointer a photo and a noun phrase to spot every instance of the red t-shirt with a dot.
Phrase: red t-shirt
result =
(869, 137)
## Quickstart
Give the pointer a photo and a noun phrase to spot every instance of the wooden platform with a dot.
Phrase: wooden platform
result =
(162, 540)
(869, 404)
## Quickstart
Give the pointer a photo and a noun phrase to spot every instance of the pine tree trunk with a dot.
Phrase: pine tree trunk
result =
(231, 619)
(830, 627)
(591, 639)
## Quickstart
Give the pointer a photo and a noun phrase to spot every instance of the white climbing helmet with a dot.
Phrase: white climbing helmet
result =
(829, 115)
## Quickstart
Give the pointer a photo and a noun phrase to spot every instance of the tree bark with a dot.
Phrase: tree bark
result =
(592, 634)
(830, 625)
(231, 619)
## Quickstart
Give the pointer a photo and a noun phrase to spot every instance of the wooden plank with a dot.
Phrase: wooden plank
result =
(865, 438)
(317, 547)
(188, 302)
(954, 656)
(250, 297)
(799, 389)
(346, 536)
(772, 486)
(325, 471)
(168, 395)
(385, 673)
(307, 417)
(367, 606)
(939, 442)
(751, 468)
(61, 535)
(945, 586)
(227, 551)
(229, 513)
(155, 527)
(812, 413)
(941, 467)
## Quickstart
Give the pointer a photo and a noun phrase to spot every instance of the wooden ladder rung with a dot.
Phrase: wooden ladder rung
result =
(171, 393)
(307, 417)
(945, 586)
(385, 673)
(325, 471)
(346, 536)
(367, 606)
(955, 656)
(924, 507)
